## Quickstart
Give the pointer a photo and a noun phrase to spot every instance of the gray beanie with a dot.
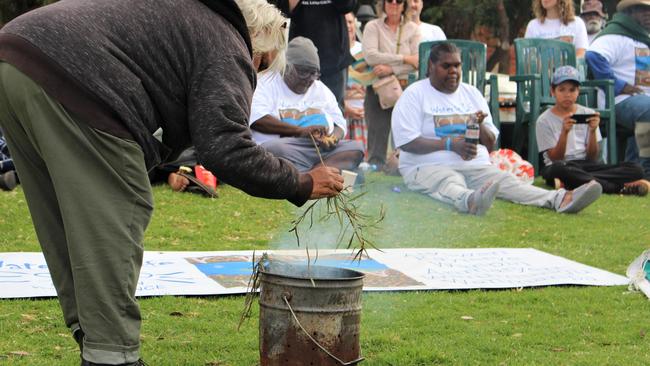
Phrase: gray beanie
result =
(302, 52)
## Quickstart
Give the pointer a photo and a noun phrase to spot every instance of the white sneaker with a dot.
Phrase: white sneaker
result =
(481, 200)
(582, 197)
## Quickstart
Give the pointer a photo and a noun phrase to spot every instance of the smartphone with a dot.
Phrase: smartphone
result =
(581, 118)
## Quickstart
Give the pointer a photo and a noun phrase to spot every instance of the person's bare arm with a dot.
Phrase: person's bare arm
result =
(486, 137)
(557, 152)
(592, 141)
(422, 145)
(292, 5)
(273, 126)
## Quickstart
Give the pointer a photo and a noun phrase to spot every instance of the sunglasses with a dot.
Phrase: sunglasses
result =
(398, 2)
(306, 73)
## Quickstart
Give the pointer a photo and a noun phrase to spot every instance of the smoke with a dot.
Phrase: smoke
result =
(403, 224)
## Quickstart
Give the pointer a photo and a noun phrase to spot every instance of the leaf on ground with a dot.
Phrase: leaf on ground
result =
(642, 333)
(467, 317)
(517, 335)
(557, 349)
(28, 317)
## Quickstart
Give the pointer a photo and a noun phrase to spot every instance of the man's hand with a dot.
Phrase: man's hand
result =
(352, 112)
(632, 90)
(316, 131)
(567, 124)
(328, 182)
(355, 91)
(594, 122)
(480, 116)
(327, 142)
(412, 60)
(466, 150)
(382, 70)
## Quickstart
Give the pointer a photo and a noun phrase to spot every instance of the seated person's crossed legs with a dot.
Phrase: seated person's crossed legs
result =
(302, 153)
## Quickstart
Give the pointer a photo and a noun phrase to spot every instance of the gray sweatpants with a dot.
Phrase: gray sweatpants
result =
(90, 200)
(454, 185)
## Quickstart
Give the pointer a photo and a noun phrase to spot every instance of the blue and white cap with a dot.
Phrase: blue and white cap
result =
(565, 73)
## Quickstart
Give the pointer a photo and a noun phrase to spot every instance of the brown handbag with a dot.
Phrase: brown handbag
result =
(388, 89)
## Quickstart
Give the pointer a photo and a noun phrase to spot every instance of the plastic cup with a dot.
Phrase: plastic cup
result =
(348, 180)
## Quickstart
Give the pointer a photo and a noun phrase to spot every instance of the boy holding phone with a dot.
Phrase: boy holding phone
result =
(568, 137)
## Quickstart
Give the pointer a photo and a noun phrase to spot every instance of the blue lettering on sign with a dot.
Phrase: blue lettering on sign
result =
(17, 266)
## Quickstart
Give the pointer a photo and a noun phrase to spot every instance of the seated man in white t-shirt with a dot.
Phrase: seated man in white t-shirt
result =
(621, 52)
(429, 125)
(292, 113)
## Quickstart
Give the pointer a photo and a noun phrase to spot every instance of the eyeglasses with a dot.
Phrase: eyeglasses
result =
(398, 2)
(306, 73)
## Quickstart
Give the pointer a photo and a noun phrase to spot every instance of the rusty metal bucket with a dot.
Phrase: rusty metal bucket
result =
(309, 315)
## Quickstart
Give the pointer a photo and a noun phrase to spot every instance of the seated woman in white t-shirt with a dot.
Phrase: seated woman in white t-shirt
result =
(555, 19)
(428, 32)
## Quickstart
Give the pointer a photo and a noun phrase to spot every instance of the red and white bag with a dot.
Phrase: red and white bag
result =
(509, 161)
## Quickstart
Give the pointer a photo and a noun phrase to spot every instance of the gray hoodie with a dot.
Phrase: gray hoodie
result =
(131, 67)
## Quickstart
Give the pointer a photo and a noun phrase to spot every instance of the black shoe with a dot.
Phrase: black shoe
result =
(136, 363)
(8, 181)
(636, 188)
(78, 336)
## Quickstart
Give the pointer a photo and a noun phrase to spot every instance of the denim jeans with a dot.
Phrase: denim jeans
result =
(628, 112)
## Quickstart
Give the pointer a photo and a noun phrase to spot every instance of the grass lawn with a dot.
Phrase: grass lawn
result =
(566, 325)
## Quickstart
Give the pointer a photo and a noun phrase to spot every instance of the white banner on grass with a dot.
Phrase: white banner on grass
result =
(219, 273)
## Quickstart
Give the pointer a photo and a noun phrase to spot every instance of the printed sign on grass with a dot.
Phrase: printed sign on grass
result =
(220, 273)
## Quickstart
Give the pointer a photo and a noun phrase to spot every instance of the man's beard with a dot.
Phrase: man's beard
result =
(594, 26)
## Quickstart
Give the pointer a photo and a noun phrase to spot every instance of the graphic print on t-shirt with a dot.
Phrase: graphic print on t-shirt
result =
(451, 125)
(642, 59)
(306, 118)
(567, 38)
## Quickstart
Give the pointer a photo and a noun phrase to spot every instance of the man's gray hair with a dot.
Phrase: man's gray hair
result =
(268, 30)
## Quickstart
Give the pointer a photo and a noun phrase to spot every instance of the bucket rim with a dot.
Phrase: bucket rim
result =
(356, 274)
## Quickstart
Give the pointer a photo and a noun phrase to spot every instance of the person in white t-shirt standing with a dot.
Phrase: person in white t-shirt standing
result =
(429, 125)
(622, 52)
(428, 32)
(555, 19)
(292, 111)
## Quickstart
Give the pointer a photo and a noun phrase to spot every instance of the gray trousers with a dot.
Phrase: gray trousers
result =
(90, 201)
(301, 152)
(379, 121)
(454, 185)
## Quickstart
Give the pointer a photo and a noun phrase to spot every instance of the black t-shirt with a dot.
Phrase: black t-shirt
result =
(323, 21)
